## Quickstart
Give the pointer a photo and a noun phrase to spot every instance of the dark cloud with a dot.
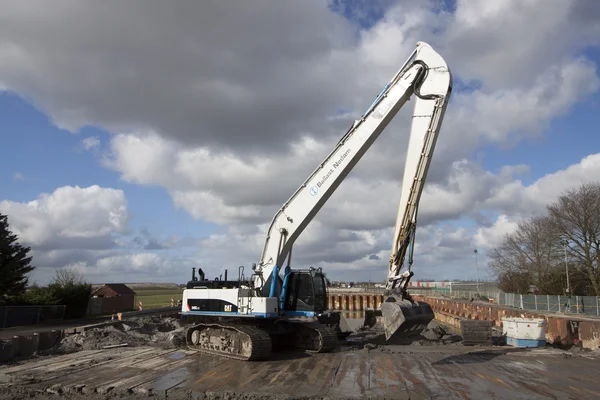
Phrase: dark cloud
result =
(249, 76)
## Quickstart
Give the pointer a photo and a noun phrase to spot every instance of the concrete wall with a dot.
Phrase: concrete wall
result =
(27, 345)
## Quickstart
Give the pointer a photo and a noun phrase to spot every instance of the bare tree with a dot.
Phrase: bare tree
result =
(68, 276)
(529, 256)
(576, 215)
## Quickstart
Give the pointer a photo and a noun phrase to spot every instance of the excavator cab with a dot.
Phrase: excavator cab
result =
(307, 291)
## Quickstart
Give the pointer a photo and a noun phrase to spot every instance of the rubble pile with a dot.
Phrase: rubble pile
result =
(434, 335)
(138, 331)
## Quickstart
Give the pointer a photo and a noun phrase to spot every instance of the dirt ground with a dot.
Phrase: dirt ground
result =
(139, 335)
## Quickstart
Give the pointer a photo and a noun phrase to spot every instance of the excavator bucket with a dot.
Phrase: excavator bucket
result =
(402, 318)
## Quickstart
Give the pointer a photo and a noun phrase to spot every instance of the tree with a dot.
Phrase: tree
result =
(529, 256)
(69, 288)
(534, 254)
(15, 263)
(576, 215)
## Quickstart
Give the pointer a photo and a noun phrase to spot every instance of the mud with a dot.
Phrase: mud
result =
(141, 331)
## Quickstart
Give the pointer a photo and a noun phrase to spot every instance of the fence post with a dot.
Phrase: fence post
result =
(559, 303)
(37, 321)
(597, 308)
(535, 301)
(577, 304)
(548, 300)
(8, 309)
(521, 300)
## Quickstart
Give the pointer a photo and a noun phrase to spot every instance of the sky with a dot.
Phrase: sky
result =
(141, 141)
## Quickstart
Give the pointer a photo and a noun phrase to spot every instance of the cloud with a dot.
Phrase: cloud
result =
(70, 217)
(87, 229)
(146, 264)
(515, 201)
(90, 142)
(219, 81)
(506, 44)
(230, 109)
(478, 208)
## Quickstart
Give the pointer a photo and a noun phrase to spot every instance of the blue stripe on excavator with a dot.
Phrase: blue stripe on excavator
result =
(284, 288)
(299, 313)
(274, 277)
(385, 88)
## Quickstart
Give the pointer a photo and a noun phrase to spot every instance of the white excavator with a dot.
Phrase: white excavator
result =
(283, 307)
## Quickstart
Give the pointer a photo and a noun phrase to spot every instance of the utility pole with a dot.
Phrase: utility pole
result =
(565, 244)
(477, 268)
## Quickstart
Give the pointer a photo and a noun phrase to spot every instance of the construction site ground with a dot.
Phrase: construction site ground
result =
(155, 363)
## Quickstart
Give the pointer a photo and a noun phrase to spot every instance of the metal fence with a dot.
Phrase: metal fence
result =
(30, 315)
(586, 305)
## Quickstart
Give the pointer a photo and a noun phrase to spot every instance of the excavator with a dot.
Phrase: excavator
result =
(277, 306)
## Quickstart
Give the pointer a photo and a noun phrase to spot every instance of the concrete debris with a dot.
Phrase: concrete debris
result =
(435, 334)
(140, 331)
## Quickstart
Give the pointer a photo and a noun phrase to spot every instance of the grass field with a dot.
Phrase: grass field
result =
(157, 297)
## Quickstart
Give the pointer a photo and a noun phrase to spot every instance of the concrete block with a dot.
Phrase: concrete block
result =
(476, 332)
(28, 345)
(47, 340)
(7, 350)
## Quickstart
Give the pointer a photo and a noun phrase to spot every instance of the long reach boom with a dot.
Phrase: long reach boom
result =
(426, 75)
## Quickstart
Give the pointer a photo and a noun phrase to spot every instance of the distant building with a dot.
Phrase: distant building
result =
(111, 298)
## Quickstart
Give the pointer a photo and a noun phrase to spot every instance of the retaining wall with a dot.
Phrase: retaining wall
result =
(354, 301)
(561, 329)
(28, 345)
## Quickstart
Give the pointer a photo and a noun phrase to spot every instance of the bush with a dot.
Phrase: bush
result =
(38, 296)
(68, 288)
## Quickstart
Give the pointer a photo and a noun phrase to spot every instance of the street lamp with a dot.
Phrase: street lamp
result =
(477, 268)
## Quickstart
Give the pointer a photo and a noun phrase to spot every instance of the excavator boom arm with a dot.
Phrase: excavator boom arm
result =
(425, 74)
(426, 123)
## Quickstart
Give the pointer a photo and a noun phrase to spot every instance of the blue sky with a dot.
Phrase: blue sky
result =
(40, 157)
(49, 157)
(568, 139)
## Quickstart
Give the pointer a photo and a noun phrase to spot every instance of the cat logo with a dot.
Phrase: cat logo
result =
(228, 308)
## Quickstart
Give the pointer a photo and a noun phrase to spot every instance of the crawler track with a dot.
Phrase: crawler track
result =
(238, 342)
(313, 337)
